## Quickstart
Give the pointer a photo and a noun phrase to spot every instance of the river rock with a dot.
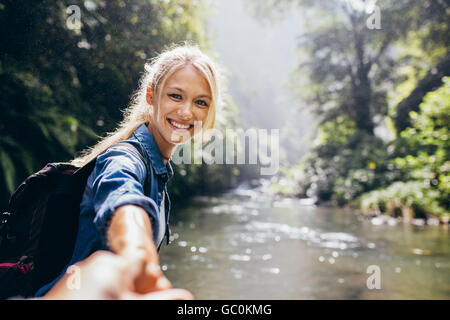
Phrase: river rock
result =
(433, 222)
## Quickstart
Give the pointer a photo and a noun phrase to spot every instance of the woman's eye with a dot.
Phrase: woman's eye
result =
(175, 96)
(202, 103)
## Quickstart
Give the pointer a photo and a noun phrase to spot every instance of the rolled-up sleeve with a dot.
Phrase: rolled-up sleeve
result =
(119, 179)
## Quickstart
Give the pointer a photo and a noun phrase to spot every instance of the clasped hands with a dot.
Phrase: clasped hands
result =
(108, 276)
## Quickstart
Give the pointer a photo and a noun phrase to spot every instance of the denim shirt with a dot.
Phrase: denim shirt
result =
(116, 180)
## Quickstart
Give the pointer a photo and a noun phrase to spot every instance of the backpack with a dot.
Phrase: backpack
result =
(38, 233)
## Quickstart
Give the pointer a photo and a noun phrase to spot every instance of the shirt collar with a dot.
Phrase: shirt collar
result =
(146, 138)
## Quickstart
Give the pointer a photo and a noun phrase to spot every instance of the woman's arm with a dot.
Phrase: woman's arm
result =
(129, 235)
(123, 214)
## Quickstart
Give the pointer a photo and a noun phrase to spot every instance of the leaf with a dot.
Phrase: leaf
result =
(9, 172)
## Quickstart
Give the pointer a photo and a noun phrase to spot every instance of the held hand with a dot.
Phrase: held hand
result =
(149, 276)
(129, 235)
(104, 275)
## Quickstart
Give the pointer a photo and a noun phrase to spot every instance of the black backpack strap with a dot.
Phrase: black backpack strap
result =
(168, 208)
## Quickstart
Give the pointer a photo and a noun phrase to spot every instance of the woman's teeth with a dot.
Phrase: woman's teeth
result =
(179, 125)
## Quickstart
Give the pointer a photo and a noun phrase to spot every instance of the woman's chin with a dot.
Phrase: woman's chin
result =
(181, 141)
(179, 137)
(177, 140)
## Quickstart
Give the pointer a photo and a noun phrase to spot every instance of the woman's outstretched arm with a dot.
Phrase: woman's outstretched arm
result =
(130, 235)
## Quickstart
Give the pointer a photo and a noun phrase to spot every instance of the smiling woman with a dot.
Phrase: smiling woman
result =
(125, 206)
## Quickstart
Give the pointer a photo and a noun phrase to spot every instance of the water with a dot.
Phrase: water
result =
(248, 245)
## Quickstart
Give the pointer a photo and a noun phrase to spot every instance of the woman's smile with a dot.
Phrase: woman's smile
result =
(178, 125)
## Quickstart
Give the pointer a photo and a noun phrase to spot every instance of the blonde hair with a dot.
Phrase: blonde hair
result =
(157, 71)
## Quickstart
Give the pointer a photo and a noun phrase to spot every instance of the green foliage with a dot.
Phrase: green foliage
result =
(342, 171)
(425, 163)
(287, 183)
(349, 165)
(400, 196)
(352, 77)
(426, 145)
(62, 88)
(337, 132)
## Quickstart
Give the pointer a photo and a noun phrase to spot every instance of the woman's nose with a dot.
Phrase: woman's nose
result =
(185, 112)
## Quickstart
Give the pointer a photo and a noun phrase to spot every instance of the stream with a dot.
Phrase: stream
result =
(247, 244)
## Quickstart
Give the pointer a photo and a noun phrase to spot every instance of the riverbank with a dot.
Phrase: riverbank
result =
(402, 202)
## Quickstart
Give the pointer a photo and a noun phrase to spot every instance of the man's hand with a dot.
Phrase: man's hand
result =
(149, 276)
(104, 275)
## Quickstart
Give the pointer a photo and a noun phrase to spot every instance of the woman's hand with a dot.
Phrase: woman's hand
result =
(129, 235)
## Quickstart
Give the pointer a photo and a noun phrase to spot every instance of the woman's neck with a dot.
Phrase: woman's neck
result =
(165, 148)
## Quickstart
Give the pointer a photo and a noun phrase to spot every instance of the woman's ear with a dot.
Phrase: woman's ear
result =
(149, 95)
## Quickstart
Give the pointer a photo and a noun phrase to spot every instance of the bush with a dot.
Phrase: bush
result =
(342, 168)
(425, 144)
(411, 196)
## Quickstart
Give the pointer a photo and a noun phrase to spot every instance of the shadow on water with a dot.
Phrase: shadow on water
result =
(247, 244)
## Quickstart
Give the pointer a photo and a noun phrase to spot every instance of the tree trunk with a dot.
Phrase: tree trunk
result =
(361, 88)
(430, 82)
(362, 96)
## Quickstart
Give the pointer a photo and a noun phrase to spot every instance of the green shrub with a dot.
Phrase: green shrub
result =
(418, 197)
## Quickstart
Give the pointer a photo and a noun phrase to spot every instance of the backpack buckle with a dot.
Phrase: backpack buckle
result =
(4, 217)
(4, 235)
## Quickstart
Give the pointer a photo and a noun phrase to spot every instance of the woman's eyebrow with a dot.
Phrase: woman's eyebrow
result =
(200, 96)
(204, 96)
(176, 88)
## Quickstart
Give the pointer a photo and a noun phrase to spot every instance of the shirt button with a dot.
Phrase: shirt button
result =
(159, 194)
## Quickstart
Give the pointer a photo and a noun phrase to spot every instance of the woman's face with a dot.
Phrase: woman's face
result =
(185, 99)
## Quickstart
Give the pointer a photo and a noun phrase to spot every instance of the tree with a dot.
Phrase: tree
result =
(348, 63)
(351, 55)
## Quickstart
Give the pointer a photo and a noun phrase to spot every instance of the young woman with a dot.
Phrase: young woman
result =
(125, 206)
